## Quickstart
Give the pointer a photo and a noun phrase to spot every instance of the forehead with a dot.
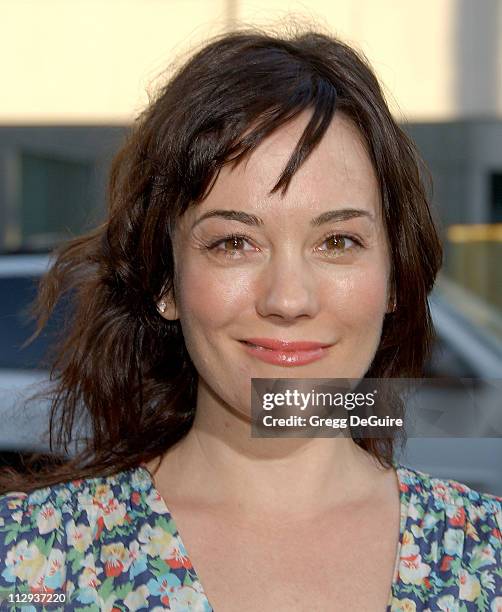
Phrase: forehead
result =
(338, 173)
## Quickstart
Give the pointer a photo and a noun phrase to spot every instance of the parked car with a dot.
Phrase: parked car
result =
(462, 350)
(21, 369)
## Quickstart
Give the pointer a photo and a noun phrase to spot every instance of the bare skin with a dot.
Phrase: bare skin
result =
(282, 523)
(338, 558)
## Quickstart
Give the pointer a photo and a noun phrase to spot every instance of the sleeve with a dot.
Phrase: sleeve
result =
(481, 576)
(32, 557)
(15, 557)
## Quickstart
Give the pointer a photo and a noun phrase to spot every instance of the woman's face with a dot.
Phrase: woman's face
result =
(286, 277)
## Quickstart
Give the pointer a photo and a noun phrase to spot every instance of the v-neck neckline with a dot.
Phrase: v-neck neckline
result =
(403, 513)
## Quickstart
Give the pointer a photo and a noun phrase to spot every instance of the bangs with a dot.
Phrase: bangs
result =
(235, 108)
(321, 99)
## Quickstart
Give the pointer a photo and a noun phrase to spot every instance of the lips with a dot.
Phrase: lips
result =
(285, 345)
(285, 353)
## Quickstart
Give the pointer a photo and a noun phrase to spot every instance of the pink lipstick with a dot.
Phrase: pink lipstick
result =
(285, 353)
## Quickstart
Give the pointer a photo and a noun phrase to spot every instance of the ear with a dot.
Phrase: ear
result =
(166, 307)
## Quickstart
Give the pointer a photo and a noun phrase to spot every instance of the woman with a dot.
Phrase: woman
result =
(266, 195)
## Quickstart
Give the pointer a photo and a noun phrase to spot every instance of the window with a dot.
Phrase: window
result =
(496, 197)
(55, 199)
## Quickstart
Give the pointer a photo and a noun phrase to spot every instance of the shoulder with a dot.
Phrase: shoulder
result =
(451, 539)
(45, 530)
(462, 505)
(29, 526)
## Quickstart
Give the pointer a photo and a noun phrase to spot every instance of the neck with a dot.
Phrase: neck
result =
(218, 464)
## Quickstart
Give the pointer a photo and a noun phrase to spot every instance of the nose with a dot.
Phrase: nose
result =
(287, 289)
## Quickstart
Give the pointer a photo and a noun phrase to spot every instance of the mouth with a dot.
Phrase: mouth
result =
(286, 345)
(300, 354)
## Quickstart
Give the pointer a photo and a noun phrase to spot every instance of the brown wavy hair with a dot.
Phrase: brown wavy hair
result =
(121, 372)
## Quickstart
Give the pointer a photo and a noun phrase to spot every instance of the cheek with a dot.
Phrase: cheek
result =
(357, 296)
(209, 298)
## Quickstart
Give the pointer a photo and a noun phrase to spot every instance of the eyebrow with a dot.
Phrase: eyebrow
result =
(341, 214)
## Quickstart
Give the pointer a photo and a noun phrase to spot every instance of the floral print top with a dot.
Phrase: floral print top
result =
(110, 543)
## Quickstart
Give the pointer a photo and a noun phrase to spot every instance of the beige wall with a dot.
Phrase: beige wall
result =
(91, 61)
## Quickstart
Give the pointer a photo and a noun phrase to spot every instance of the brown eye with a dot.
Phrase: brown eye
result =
(339, 244)
(233, 242)
(232, 246)
(336, 242)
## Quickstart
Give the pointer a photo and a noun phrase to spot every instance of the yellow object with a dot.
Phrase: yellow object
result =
(476, 232)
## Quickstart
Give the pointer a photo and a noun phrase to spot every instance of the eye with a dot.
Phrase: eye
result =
(231, 245)
(340, 243)
(233, 241)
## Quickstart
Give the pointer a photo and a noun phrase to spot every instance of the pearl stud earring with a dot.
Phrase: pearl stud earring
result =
(162, 306)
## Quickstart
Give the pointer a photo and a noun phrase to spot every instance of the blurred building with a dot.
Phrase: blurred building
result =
(75, 74)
